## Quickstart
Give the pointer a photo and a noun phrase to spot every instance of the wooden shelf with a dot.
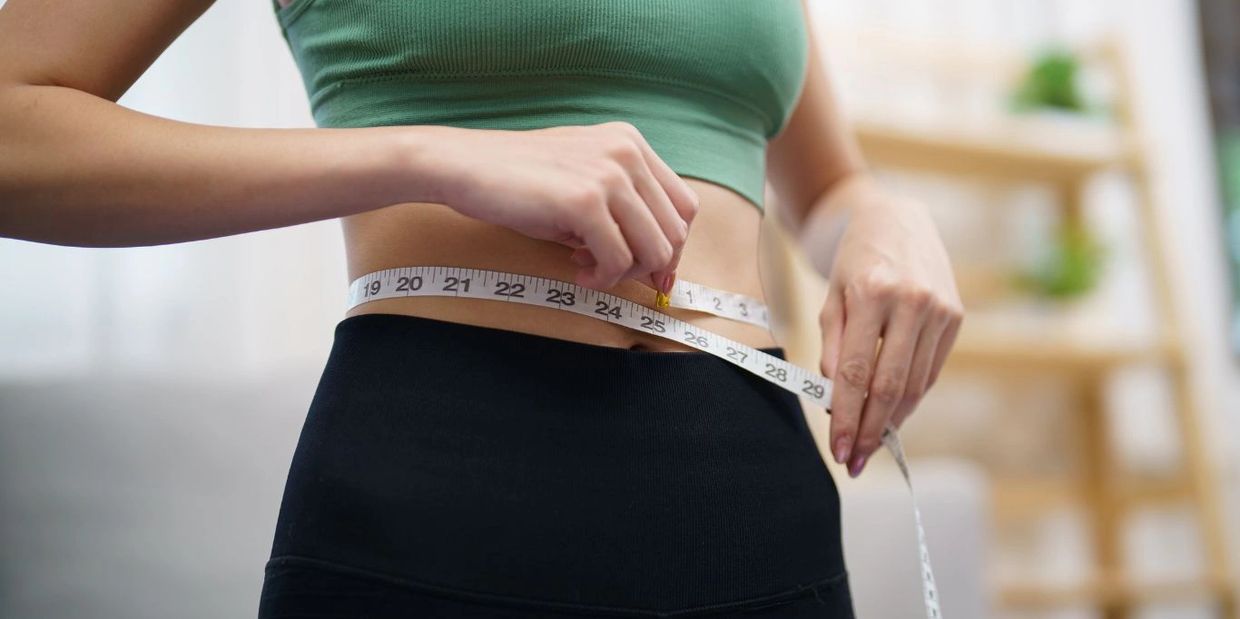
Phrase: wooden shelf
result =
(1110, 592)
(1062, 152)
(1025, 150)
(1029, 351)
(1022, 497)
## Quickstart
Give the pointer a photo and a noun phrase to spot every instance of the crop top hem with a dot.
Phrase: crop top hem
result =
(699, 133)
(773, 127)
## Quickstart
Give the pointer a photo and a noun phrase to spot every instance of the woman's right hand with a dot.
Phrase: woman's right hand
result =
(599, 189)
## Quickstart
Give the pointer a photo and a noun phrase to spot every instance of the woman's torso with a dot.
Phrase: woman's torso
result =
(721, 252)
(706, 81)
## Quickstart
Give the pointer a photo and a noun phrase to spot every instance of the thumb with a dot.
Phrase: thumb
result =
(583, 257)
(663, 281)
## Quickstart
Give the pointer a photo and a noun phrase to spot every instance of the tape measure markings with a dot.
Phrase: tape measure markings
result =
(689, 295)
(557, 294)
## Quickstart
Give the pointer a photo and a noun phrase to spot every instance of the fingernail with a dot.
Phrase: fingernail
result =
(842, 446)
(668, 281)
(856, 467)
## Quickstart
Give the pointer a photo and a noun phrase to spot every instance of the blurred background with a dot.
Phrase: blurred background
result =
(1078, 458)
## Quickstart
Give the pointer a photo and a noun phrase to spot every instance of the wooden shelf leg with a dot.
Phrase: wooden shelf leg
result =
(1205, 493)
(1102, 502)
(1153, 226)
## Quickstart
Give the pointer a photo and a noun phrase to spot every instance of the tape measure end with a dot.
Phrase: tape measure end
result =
(661, 300)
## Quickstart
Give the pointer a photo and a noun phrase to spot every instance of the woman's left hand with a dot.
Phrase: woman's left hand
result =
(889, 279)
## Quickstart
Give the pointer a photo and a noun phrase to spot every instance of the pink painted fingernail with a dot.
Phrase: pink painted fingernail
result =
(842, 446)
(668, 281)
(856, 467)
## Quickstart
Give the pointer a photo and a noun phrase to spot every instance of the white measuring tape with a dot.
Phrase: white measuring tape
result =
(447, 281)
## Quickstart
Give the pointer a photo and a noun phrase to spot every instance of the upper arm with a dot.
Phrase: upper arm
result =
(816, 147)
(97, 46)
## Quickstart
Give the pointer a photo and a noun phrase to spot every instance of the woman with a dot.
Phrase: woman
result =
(467, 457)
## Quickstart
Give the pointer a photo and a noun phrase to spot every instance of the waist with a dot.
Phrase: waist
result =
(721, 252)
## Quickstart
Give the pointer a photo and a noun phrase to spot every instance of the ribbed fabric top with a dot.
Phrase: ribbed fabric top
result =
(707, 82)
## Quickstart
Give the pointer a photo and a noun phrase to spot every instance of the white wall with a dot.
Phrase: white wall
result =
(249, 303)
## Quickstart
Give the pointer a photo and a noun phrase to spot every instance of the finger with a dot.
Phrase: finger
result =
(682, 196)
(675, 229)
(863, 322)
(919, 375)
(944, 347)
(572, 240)
(664, 280)
(895, 358)
(582, 257)
(609, 249)
(683, 200)
(650, 247)
(831, 323)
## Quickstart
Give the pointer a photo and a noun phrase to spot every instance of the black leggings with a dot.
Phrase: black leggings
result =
(452, 470)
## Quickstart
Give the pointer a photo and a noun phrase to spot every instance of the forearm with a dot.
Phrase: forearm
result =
(819, 231)
(76, 169)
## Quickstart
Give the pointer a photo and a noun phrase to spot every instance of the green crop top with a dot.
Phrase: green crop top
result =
(707, 82)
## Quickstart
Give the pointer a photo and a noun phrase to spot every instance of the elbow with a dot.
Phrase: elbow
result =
(12, 194)
(26, 188)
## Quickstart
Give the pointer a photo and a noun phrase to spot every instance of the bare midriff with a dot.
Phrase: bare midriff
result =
(721, 252)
